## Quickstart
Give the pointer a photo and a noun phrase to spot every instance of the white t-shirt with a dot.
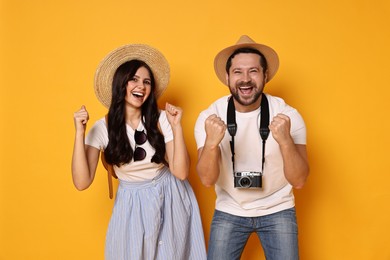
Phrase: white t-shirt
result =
(276, 193)
(133, 171)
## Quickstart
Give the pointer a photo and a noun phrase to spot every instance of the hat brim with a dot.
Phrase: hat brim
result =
(270, 55)
(105, 71)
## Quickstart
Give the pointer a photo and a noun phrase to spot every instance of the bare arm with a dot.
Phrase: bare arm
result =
(179, 160)
(85, 158)
(210, 154)
(296, 166)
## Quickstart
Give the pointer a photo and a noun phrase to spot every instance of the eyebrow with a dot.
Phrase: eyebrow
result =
(138, 77)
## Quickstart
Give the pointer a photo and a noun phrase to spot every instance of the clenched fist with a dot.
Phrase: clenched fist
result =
(174, 114)
(280, 128)
(215, 130)
(81, 118)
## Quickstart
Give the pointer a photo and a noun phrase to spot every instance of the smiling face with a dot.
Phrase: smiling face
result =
(246, 80)
(138, 88)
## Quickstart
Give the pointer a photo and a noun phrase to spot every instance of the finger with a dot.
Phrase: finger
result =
(82, 114)
(281, 117)
(211, 117)
(277, 121)
(216, 123)
(214, 119)
(83, 109)
(171, 109)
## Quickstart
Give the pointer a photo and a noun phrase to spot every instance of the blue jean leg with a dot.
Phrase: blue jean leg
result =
(228, 236)
(278, 234)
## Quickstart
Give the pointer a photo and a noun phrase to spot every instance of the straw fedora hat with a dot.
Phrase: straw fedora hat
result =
(107, 67)
(270, 55)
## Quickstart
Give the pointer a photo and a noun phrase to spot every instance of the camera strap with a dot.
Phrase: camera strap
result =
(263, 128)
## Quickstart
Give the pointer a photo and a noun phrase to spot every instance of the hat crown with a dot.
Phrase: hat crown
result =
(245, 39)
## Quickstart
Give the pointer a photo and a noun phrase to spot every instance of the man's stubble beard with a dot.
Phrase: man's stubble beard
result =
(246, 102)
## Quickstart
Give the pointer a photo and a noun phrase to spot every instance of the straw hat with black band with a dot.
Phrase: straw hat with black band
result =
(245, 42)
(107, 67)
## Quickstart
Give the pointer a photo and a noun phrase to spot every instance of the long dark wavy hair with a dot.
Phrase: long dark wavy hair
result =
(119, 151)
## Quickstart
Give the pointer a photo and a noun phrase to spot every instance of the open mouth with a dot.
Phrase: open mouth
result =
(246, 90)
(138, 95)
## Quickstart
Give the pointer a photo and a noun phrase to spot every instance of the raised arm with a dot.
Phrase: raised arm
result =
(85, 158)
(209, 155)
(296, 166)
(179, 160)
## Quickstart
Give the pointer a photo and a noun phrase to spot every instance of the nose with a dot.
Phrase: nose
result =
(246, 77)
(141, 84)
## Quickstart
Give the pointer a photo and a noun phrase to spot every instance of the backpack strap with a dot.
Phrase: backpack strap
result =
(109, 168)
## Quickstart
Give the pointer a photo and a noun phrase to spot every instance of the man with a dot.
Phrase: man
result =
(253, 182)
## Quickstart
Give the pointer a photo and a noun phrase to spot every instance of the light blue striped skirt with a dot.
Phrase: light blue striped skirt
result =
(157, 219)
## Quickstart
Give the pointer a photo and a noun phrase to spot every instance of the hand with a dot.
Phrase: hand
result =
(215, 130)
(280, 129)
(81, 118)
(174, 114)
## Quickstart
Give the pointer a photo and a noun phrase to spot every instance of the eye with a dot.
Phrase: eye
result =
(134, 79)
(147, 82)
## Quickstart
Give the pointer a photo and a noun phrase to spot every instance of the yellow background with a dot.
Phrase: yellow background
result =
(334, 69)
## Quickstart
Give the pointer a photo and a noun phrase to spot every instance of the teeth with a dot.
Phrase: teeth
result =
(139, 94)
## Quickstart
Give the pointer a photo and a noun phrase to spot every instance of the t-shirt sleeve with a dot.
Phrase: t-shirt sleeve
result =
(200, 132)
(298, 127)
(98, 136)
(165, 127)
(218, 108)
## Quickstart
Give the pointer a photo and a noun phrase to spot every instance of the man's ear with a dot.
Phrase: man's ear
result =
(227, 79)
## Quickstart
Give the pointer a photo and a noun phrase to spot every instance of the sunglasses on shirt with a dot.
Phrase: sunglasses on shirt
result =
(139, 152)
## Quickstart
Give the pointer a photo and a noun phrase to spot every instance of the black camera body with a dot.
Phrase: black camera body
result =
(248, 180)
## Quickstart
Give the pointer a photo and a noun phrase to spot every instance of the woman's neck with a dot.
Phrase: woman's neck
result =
(133, 117)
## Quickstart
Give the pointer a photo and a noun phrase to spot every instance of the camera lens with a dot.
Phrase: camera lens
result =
(245, 182)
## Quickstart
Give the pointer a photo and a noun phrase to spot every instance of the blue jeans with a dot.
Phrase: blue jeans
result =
(277, 232)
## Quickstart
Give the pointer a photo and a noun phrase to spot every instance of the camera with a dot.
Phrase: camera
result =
(247, 180)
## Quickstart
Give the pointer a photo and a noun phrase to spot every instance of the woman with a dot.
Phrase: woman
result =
(156, 215)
